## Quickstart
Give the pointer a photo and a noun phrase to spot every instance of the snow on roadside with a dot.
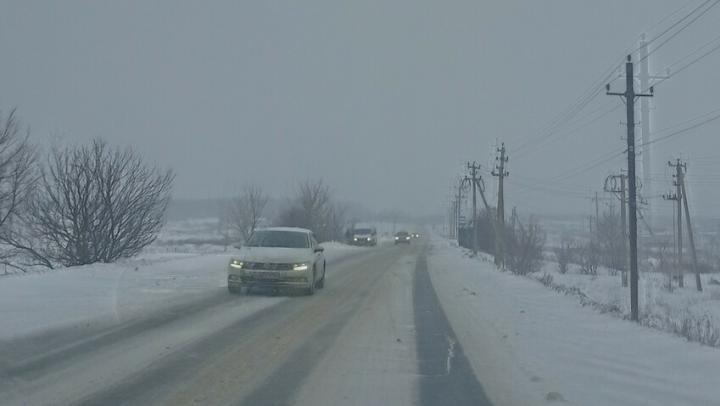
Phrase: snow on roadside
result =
(105, 294)
(529, 344)
(686, 312)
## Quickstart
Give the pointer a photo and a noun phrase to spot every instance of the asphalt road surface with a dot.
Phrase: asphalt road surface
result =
(376, 335)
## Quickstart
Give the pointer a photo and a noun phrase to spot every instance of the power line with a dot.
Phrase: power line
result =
(689, 23)
(593, 164)
(564, 134)
(678, 132)
(594, 90)
(676, 23)
(691, 63)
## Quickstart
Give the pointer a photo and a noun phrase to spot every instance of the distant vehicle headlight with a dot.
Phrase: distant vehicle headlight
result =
(301, 266)
(237, 264)
(355, 239)
(397, 238)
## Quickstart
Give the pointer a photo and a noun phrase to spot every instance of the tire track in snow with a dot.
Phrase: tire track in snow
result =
(446, 376)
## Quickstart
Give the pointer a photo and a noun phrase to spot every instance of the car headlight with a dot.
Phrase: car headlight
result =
(355, 238)
(237, 264)
(301, 266)
(397, 238)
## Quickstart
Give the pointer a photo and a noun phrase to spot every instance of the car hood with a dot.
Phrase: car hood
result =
(274, 255)
(362, 236)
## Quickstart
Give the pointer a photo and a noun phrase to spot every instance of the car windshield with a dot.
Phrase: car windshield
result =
(278, 239)
(402, 234)
(363, 231)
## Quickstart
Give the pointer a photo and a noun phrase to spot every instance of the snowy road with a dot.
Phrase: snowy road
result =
(396, 325)
(375, 335)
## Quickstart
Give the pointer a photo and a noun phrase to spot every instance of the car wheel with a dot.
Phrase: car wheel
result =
(311, 288)
(321, 282)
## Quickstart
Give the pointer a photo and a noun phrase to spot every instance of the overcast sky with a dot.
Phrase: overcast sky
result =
(383, 99)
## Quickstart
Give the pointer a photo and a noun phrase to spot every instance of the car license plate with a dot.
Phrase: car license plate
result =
(266, 275)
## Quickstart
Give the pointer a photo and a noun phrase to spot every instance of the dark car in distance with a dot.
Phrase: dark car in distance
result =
(402, 237)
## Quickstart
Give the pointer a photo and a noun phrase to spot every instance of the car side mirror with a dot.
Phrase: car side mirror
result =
(319, 249)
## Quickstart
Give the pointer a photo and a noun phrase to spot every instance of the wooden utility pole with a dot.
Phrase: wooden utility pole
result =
(698, 282)
(616, 184)
(630, 96)
(474, 167)
(501, 173)
(677, 197)
(597, 210)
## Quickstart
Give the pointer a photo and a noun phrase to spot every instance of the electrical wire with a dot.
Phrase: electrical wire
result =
(595, 90)
(561, 135)
(594, 164)
(681, 131)
(689, 23)
(691, 63)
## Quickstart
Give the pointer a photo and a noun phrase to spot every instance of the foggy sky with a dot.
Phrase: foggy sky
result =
(383, 99)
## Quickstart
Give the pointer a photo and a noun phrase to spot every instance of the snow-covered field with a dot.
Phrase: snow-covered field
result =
(529, 344)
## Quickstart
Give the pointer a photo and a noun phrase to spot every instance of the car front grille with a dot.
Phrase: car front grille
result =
(268, 266)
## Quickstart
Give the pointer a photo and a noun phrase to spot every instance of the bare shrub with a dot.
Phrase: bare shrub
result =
(589, 258)
(546, 279)
(247, 209)
(525, 248)
(94, 204)
(564, 256)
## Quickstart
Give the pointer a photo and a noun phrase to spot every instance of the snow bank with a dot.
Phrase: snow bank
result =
(105, 293)
(530, 345)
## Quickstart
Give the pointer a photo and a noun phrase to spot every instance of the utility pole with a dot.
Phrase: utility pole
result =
(645, 122)
(644, 76)
(629, 95)
(616, 184)
(597, 210)
(513, 218)
(448, 224)
(501, 173)
(474, 167)
(698, 282)
(461, 186)
(677, 197)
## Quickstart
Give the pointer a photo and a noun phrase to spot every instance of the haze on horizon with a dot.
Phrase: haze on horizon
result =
(384, 100)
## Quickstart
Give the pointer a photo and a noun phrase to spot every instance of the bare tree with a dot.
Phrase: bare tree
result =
(611, 241)
(525, 248)
(310, 208)
(338, 220)
(18, 176)
(247, 209)
(313, 208)
(94, 204)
